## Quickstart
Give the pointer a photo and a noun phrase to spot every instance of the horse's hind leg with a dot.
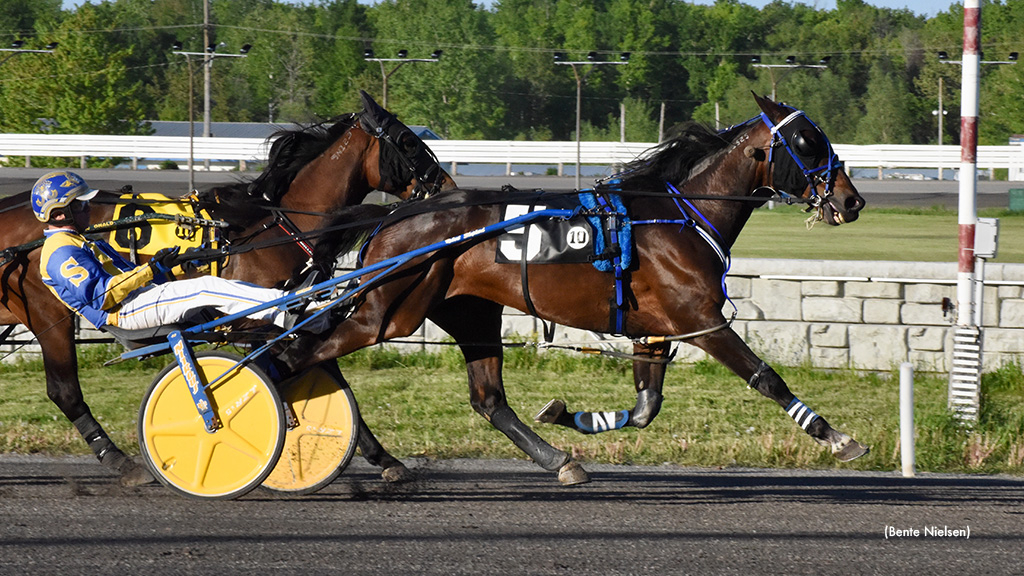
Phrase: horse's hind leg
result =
(648, 378)
(392, 469)
(731, 351)
(475, 325)
(60, 364)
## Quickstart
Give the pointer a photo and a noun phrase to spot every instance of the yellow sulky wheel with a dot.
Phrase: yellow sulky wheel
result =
(228, 462)
(322, 444)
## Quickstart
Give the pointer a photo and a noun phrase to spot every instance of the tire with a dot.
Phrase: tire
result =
(318, 449)
(228, 462)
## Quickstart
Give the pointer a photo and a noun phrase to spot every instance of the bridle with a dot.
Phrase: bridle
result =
(424, 168)
(786, 134)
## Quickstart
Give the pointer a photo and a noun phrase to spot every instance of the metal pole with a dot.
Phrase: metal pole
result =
(907, 418)
(579, 91)
(207, 64)
(661, 123)
(191, 128)
(964, 386)
(207, 67)
(968, 216)
(622, 121)
(942, 112)
(384, 85)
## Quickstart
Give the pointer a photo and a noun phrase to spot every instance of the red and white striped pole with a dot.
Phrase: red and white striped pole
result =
(965, 379)
(968, 213)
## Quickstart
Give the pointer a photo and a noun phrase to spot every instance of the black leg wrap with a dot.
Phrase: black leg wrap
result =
(648, 404)
(106, 452)
(547, 456)
(766, 381)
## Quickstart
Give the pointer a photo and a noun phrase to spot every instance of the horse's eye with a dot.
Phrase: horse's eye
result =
(804, 146)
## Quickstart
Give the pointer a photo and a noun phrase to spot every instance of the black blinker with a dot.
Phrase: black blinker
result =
(803, 146)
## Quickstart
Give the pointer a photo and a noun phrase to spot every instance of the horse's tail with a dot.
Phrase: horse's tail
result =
(347, 229)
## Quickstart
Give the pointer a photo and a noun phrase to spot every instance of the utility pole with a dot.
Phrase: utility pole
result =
(16, 48)
(786, 68)
(591, 62)
(402, 59)
(207, 59)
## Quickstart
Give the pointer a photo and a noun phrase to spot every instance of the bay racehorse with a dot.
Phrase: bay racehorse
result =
(687, 200)
(311, 172)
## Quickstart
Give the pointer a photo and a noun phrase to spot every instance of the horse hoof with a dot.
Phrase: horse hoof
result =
(849, 449)
(136, 475)
(550, 412)
(572, 473)
(397, 474)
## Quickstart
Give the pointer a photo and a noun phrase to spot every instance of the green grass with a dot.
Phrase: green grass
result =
(418, 405)
(925, 235)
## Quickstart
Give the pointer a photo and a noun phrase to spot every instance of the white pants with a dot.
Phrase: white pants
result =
(177, 301)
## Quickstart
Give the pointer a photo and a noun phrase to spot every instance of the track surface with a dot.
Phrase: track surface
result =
(68, 516)
(878, 193)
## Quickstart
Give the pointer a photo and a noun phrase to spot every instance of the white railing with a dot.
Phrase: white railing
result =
(157, 148)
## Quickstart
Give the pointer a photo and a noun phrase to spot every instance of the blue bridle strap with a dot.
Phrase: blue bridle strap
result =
(688, 222)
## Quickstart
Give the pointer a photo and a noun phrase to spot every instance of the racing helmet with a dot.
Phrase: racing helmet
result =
(56, 191)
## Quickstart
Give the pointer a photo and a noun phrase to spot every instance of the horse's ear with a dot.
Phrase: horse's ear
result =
(769, 107)
(369, 104)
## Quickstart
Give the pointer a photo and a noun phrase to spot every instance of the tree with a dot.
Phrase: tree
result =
(454, 96)
(82, 88)
(888, 104)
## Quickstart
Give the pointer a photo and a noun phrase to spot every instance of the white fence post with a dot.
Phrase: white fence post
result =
(907, 418)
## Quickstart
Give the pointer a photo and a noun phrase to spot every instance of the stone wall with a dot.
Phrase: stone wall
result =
(858, 314)
(870, 315)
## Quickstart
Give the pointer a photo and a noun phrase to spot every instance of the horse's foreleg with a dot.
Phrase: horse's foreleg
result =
(730, 350)
(480, 342)
(648, 378)
(60, 363)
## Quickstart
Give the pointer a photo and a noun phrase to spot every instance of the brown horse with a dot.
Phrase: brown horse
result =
(674, 287)
(311, 172)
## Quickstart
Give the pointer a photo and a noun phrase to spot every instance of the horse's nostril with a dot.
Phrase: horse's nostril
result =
(853, 203)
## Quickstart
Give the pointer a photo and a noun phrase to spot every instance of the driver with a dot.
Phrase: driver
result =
(93, 280)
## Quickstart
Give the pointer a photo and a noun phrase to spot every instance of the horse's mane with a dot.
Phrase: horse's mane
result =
(674, 160)
(293, 149)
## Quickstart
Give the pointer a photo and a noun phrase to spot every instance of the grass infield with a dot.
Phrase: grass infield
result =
(908, 235)
(417, 404)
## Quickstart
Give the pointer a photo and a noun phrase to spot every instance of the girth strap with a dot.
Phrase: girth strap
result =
(548, 328)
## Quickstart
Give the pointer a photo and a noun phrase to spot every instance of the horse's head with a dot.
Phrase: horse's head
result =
(802, 163)
(337, 162)
(406, 166)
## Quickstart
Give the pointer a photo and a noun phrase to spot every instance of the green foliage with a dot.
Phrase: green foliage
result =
(84, 87)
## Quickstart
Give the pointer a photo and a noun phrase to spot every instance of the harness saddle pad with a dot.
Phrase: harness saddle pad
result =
(546, 241)
(152, 235)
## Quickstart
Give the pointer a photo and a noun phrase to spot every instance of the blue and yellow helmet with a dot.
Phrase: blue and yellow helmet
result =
(57, 190)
